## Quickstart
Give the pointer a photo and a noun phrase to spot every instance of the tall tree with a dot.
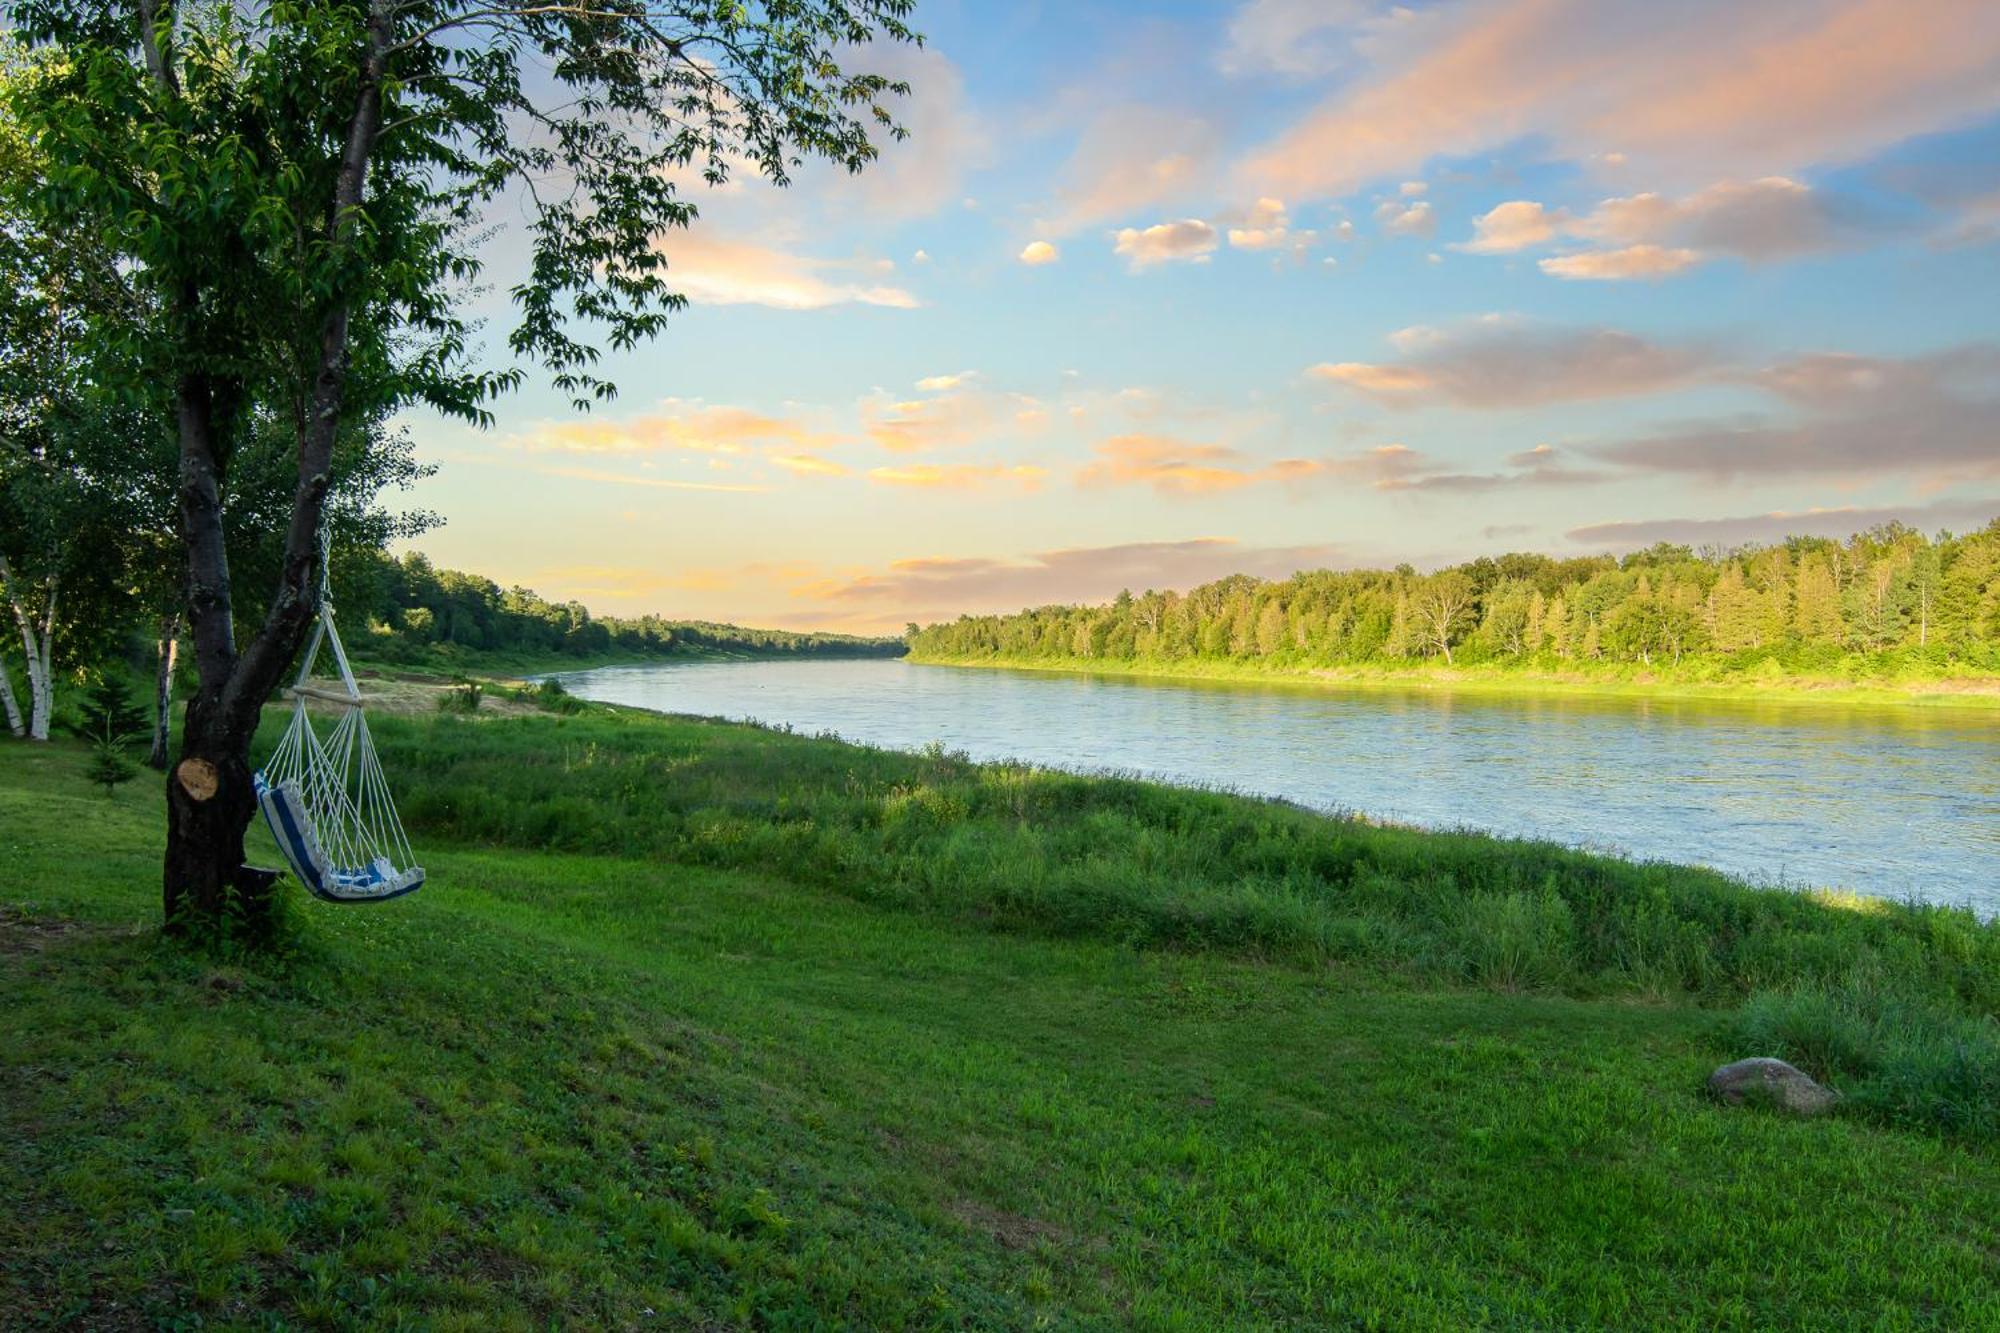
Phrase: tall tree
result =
(1442, 605)
(65, 497)
(300, 184)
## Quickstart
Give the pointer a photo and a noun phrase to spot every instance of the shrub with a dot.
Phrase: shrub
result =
(462, 697)
(1899, 1059)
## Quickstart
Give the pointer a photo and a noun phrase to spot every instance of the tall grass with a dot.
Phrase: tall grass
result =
(1057, 854)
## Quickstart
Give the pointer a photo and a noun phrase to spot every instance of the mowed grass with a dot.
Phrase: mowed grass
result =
(667, 1082)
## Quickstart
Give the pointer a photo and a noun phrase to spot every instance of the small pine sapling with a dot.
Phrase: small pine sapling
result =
(111, 721)
(109, 764)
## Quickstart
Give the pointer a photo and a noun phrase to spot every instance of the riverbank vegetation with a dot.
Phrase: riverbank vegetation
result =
(737, 1026)
(419, 615)
(1889, 609)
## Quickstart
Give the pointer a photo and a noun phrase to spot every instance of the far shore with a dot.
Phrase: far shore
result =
(1972, 692)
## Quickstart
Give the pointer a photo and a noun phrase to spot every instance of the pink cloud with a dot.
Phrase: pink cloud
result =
(1691, 88)
(1634, 261)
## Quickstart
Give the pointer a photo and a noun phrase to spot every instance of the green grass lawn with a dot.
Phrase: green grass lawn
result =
(704, 1026)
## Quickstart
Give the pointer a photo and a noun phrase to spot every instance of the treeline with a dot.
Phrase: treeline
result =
(1886, 597)
(415, 613)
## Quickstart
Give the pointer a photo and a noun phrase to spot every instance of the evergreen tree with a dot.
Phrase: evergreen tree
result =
(110, 765)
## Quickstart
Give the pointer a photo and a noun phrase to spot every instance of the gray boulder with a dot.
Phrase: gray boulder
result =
(1772, 1083)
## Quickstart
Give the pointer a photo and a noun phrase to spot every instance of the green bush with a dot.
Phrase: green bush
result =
(463, 697)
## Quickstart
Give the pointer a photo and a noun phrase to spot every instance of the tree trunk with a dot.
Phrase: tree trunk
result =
(36, 648)
(209, 807)
(13, 707)
(163, 689)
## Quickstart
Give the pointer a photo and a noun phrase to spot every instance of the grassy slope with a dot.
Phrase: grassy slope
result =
(1624, 679)
(563, 1087)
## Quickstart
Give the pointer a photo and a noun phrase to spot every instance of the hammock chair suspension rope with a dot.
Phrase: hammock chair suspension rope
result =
(328, 802)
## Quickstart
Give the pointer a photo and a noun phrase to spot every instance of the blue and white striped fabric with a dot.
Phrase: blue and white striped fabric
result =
(328, 803)
(291, 827)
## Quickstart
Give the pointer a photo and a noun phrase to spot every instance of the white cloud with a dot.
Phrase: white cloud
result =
(941, 383)
(1188, 239)
(1515, 225)
(1039, 252)
(1634, 261)
(1407, 219)
(711, 271)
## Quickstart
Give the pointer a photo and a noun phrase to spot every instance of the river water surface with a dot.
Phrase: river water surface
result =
(1896, 802)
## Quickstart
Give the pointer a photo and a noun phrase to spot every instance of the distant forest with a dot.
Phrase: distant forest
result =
(416, 612)
(1889, 597)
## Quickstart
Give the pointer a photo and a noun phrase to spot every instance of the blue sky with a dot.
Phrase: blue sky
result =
(1158, 292)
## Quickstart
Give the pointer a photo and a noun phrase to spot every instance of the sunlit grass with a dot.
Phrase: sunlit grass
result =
(708, 1026)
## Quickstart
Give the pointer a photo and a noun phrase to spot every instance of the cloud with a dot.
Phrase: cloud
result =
(1517, 224)
(1398, 468)
(1295, 38)
(806, 465)
(1541, 466)
(1854, 418)
(1178, 467)
(1130, 158)
(1634, 261)
(948, 418)
(677, 424)
(1400, 219)
(1749, 529)
(958, 476)
(951, 585)
(1653, 235)
(940, 383)
(711, 271)
(923, 173)
(1188, 239)
(1039, 252)
(1172, 467)
(1504, 363)
(1759, 220)
(1390, 383)
(1691, 88)
(1975, 221)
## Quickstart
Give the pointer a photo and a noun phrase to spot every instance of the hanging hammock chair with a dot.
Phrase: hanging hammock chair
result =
(328, 802)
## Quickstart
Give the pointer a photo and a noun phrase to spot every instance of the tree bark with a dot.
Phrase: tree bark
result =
(13, 707)
(36, 648)
(163, 689)
(210, 801)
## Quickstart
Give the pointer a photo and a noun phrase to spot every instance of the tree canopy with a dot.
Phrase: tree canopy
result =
(1808, 602)
(296, 191)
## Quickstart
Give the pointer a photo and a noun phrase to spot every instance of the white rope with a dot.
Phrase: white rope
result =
(352, 824)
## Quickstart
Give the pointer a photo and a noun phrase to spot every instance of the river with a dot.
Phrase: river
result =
(1893, 802)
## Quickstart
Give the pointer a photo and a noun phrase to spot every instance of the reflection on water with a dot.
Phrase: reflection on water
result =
(1900, 802)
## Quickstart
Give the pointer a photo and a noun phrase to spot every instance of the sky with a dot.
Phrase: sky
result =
(1159, 292)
